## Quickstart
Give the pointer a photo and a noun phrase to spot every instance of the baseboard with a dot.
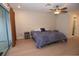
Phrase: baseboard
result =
(75, 36)
(20, 37)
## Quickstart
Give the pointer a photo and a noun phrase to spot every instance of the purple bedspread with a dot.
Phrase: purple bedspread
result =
(43, 38)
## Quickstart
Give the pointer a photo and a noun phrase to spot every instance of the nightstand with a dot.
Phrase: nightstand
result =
(26, 35)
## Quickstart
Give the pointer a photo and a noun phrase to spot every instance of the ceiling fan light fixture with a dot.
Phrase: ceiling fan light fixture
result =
(57, 12)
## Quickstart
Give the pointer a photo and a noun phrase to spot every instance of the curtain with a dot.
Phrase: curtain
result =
(5, 30)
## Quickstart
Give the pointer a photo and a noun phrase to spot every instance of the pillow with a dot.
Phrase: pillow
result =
(37, 29)
(42, 29)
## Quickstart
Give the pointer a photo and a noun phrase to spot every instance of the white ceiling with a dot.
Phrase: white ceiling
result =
(42, 7)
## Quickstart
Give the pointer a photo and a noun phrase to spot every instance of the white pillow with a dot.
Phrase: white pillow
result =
(37, 29)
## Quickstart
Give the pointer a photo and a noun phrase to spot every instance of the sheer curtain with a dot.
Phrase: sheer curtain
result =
(5, 31)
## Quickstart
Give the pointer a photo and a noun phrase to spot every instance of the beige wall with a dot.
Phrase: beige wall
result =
(30, 20)
(64, 23)
(77, 24)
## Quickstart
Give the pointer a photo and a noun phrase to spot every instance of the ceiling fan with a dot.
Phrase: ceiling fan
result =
(59, 10)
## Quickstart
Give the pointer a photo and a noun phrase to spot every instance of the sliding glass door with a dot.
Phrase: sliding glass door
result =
(8, 27)
(5, 32)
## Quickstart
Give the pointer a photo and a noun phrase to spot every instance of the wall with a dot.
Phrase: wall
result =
(64, 23)
(30, 20)
(77, 24)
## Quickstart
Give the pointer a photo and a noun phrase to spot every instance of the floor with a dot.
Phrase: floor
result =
(27, 48)
(3, 46)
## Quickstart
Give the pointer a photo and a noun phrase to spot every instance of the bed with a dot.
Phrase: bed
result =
(43, 38)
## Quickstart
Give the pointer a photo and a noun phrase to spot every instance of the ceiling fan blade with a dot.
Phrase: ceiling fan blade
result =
(57, 6)
(64, 11)
(52, 9)
(64, 8)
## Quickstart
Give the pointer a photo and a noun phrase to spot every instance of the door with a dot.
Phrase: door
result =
(13, 28)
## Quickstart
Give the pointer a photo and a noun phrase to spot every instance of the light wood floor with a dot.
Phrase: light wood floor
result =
(27, 48)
